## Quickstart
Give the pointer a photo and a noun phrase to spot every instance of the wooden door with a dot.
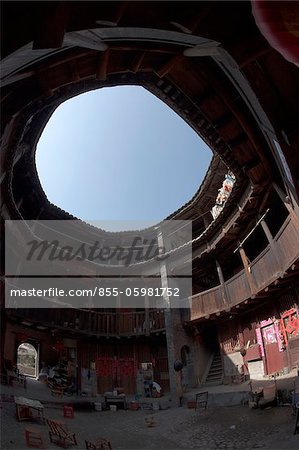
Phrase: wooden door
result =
(274, 358)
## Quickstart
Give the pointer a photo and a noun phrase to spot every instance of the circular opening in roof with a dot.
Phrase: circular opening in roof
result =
(120, 154)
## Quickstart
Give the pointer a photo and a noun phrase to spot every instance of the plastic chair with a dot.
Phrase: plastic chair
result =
(68, 411)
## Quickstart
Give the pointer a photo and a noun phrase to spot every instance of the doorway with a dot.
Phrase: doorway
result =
(211, 340)
(27, 359)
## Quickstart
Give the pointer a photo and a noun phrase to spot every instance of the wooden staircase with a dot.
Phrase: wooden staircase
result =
(215, 374)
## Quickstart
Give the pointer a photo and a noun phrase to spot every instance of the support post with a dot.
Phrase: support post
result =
(222, 283)
(147, 319)
(247, 270)
(271, 241)
(174, 391)
(293, 212)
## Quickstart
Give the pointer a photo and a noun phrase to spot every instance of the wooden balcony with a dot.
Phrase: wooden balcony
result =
(269, 267)
(91, 323)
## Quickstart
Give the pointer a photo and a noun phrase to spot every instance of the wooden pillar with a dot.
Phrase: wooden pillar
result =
(89, 321)
(118, 315)
(247, 270)
(271, 241)
(169, 326)
(222, 283)
(147, 319)
(51, 25)
(284, 199)
(3, 332)
(102, 65)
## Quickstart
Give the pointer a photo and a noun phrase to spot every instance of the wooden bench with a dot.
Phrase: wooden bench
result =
(59, 434)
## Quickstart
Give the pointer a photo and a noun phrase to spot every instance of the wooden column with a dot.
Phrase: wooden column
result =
(169, 326)
(102, 65)
(147, 319)
(248, 273)
(271, 242)
(222, 283)
(118, 314)
(284, 199)
(51, 25)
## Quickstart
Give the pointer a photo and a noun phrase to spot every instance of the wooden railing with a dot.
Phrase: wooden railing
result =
(270, 264)
(96, 323)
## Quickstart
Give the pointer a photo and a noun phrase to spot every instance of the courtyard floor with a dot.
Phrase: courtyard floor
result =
(218, 427)
(236, 427)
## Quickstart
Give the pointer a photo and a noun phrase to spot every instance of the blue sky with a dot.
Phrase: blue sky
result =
(119, 154)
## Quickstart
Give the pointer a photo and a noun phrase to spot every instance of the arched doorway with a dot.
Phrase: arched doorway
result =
(27, 359)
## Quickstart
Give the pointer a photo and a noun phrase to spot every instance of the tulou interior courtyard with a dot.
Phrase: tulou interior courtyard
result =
(149, 186)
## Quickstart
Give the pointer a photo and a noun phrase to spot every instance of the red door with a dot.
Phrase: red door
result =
(274, 358)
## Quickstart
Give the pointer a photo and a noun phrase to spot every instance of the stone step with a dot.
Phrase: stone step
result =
(214, 377)
(216, 363)
(215, 372)
(213, 383)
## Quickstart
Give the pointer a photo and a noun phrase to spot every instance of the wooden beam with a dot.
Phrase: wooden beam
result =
(201, 98)
(192, 23)
(238, 113)
(16, 77)
(223, 120)
(120, 12)
(42, 77)
(51, 25)
(102, 65)
(249, 49)
(166, 68)
(237, 141)
(74, 71)
(137, 61)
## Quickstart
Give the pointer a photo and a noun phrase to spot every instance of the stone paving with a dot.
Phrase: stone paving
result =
(233, 427)
(236, 427)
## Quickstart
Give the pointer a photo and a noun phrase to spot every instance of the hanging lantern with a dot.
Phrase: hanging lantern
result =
(278, 21)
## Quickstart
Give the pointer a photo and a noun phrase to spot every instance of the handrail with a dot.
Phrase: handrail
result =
(96, 323)
(267, 267)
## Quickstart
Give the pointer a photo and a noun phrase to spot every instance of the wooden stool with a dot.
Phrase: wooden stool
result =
(68, 412)
(34, 438)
